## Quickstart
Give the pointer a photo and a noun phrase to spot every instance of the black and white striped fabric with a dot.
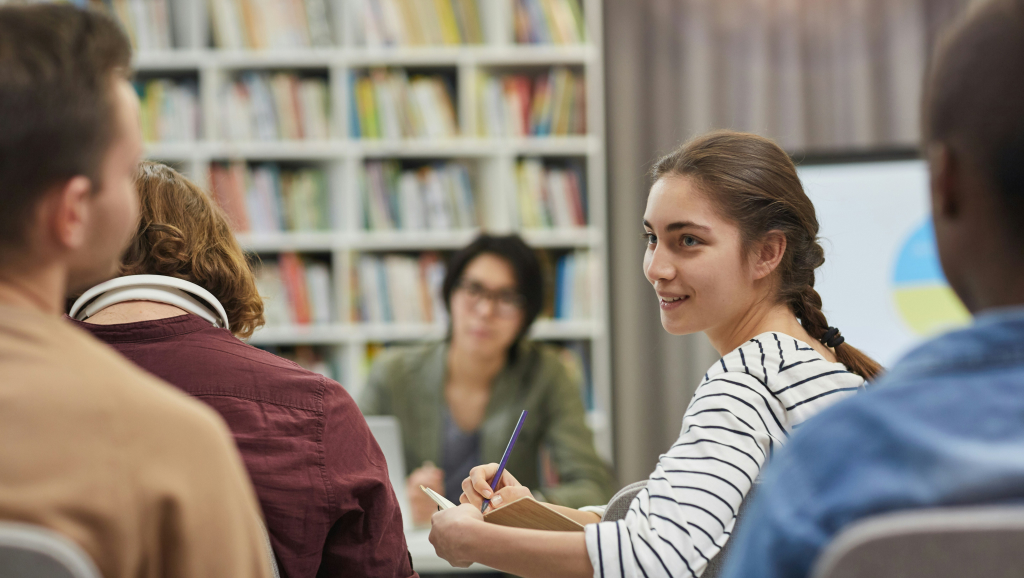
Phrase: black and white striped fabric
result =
(743, 410)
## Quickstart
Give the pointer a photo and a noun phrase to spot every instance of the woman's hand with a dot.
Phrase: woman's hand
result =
(477, 487)
(429, 476)
(449, 530)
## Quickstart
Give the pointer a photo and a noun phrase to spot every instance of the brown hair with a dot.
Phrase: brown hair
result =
(973, 103)
(57, 67)
(183, 234)
(754, 184)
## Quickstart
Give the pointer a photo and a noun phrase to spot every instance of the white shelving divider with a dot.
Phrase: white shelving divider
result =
(342, 156)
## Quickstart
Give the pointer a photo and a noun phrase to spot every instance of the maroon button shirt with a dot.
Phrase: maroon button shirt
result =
(320, 476)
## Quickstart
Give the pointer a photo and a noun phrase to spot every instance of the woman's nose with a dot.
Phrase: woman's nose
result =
(485, 307)
(657, 265)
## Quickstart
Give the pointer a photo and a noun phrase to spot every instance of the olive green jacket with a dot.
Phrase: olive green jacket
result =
(408, 383)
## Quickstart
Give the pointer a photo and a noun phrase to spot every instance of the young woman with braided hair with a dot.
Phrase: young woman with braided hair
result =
(732, 247)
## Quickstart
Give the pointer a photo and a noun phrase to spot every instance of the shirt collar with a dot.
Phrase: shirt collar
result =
(996, 337)
(147, 330)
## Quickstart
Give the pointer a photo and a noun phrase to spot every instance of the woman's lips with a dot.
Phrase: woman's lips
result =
(668, 305)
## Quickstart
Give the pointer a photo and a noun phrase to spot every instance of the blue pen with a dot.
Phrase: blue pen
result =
(504, 458)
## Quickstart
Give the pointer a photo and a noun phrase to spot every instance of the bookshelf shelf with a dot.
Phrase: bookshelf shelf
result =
(339, 165)
(356, 57)
(354, 333)
(467, 147)
(407, 240)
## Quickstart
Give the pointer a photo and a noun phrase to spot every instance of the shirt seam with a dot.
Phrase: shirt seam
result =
(251, 398)
(113, 339)
(321, 426)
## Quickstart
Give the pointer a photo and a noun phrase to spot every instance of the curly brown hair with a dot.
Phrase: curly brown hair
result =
(183, 234)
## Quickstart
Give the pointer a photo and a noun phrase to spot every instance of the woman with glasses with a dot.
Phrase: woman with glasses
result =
(459, 399)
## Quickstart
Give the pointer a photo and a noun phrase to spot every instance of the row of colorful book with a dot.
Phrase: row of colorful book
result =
(520, 105)
(550, 196)
(265, 198)
(420, 22)
(390, 104)
(147, 22)
(270, 24)
(549, 22)
(278, 106)
(437, 196)
(398, 289)
(295, 290)
(574, 281)
(169, 110)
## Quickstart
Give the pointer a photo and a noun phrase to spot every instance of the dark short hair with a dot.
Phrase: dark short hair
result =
(525, 268)
(974, 99)
(57, 112)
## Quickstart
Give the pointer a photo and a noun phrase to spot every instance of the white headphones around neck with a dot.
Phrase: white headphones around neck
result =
(182, 294)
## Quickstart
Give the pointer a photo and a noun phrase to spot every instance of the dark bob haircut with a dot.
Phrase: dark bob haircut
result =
(519, 256)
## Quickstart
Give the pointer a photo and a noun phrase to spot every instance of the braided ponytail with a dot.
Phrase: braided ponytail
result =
(754, 183)
(807, 308)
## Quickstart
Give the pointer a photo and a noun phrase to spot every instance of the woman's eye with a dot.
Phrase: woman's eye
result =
(690, 241)
(650, 238)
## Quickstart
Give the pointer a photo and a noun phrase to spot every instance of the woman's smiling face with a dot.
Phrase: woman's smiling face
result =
(695, 260)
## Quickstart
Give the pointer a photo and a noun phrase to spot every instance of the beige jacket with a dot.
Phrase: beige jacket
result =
(146, 480)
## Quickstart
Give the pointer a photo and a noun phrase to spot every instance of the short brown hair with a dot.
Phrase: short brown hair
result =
(57, 111)
(753, 183)
(974, 99)
(183, 234)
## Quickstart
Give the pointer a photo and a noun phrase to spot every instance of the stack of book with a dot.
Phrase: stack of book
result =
(436, 196)
(549, 22)
(265, 198)
(262, 106)
(552, 104)
(573, 281)
(399, 289)
(550, 197)
(295, 291)
(147, 22)
(269, 24)
(417, 22)
(389, 104)
(169, 110)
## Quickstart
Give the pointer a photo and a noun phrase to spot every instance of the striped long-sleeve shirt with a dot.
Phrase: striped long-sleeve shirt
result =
(743, 410)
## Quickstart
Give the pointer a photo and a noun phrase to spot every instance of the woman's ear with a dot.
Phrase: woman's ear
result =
(769, 254)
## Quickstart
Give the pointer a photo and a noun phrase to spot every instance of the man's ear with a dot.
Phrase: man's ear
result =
(769, 254)
(944, 178)
(68, 211)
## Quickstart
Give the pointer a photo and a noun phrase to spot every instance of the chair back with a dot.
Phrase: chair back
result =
(618, 506)
(28, 551)
(932, 543)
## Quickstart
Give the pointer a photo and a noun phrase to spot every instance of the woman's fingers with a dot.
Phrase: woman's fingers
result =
(509, 494)
(469, 494)
(480, 479)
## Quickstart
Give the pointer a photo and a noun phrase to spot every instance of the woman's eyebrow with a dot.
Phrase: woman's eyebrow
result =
(679, 225)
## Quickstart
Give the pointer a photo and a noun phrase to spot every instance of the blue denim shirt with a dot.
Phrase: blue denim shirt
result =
(945, 426)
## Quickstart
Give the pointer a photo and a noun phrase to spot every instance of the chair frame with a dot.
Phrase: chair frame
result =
(46, 542)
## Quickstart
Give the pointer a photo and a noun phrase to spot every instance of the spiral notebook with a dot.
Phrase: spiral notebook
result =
(522, 513)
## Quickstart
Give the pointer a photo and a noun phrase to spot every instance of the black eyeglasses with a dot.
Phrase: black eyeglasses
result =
(507, 302)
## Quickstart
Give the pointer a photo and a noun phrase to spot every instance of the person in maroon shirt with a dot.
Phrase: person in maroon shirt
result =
(318, 472)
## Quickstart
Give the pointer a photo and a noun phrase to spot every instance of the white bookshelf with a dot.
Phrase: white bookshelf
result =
(342, 156)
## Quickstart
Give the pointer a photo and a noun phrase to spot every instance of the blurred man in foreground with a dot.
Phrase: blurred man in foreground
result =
(944, 426)
(144, 479)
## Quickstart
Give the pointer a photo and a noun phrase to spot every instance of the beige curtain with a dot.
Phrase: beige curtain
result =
(816, 75)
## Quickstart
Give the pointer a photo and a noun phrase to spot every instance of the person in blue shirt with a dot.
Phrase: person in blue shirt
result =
(946, 425)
